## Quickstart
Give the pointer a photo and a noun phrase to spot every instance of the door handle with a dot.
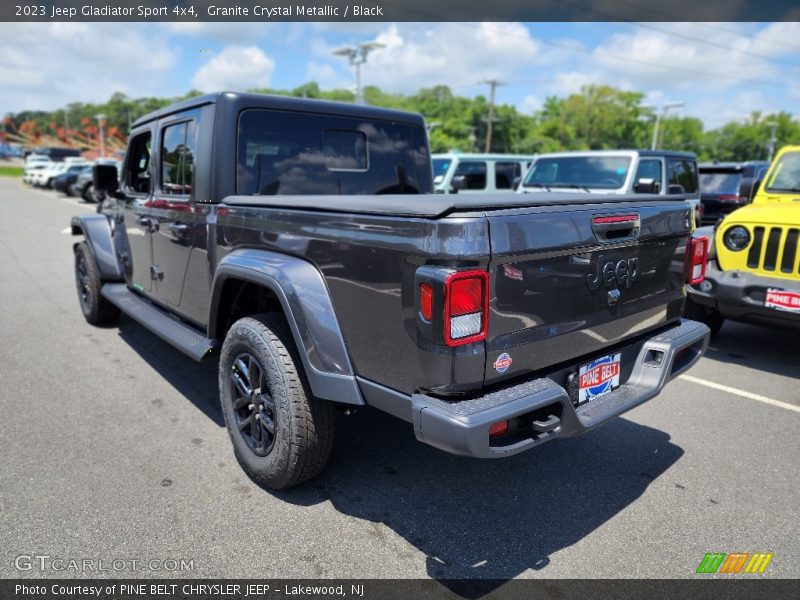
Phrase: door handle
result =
(148, 224)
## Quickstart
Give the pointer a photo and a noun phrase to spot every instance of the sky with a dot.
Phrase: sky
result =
(720, 71)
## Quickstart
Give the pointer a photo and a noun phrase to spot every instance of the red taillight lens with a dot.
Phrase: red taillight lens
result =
(465, 308)
(498, 429)
(698, 252)
(734, 198)
(426, 301)
(466, 296)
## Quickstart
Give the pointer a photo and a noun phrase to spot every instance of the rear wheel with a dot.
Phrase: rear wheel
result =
(282, 435)
(705, 314)
(88, 193)
(96, 309)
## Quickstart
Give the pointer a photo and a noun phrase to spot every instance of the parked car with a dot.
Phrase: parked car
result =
(56, 154)
(33, 169)
(229, 230)
(83, 185)
(44, 177)
(726, 186)
(478, 173)
(663, 172)
(64, 181)
(753, 272)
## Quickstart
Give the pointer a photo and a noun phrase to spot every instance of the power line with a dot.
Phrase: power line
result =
(679, 35)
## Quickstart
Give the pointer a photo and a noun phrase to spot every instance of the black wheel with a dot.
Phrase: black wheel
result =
(282, 435)
(704, 314)
(96, 309)
(88, 193)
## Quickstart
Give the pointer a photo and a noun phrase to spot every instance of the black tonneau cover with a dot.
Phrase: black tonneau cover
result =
(438, 205)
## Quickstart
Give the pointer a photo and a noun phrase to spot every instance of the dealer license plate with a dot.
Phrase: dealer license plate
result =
(782, 300)
(598, 377)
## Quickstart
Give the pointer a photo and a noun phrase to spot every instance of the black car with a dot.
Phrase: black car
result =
(725, 186)
(63, 182)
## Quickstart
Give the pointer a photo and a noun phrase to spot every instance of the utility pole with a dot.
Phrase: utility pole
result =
(493, 83)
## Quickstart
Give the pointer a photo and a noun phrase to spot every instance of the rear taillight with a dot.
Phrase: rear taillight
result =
(426, 301)
(466, 302)
(698, 252)
(730, 198)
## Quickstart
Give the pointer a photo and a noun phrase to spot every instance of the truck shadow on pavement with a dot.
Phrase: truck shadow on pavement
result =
(767, 349)
(196, 381)
(487, 521)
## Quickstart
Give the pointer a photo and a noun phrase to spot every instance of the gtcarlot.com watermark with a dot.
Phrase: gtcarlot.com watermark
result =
(45, 562)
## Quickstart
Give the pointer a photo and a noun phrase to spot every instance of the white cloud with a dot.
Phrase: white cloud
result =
(47, 65)
(531, 104)
(456, 54)
(235, 68)
(325, 75)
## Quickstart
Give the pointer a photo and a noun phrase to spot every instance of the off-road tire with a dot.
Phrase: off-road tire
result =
(705, 314)
(95, 308)
(303, 425)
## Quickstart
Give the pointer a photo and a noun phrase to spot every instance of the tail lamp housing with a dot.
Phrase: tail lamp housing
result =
(698, 254)
(466, 306)
(452, 306)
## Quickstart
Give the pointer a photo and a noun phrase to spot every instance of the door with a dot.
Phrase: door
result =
(135, 202)
(173, 208)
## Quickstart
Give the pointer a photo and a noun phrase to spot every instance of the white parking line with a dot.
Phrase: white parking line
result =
(743, 394)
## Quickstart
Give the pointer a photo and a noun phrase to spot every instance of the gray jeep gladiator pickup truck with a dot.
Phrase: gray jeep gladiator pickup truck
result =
(302, 241)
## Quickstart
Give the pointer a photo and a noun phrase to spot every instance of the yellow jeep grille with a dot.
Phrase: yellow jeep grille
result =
(774, 250)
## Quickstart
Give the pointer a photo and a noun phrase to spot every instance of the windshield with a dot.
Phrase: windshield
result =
(720, 182)
(785, 176)
(599, 172)
(440, 166)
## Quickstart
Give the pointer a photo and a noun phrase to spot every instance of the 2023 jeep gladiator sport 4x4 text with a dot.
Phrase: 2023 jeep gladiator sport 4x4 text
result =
(302, 240)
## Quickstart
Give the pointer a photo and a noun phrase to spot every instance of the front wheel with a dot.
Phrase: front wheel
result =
(282, 435)
(705, 314)
(96, 309)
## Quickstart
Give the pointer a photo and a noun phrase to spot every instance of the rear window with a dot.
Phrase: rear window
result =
(720, 182)
(287, 153)
(598, 172)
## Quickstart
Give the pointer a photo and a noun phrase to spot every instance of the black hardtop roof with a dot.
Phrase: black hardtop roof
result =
(251, 100)
(733, 164)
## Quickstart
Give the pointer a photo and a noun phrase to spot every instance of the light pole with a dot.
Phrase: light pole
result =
(772, 139)
(660, 114)
(100, 118)
(357, 56)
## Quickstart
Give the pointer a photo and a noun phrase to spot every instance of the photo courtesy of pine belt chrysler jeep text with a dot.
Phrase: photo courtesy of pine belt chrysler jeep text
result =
(302, 241)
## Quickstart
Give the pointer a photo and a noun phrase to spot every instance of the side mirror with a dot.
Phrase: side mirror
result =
(105, 178)
(459, 182)
(646, 185)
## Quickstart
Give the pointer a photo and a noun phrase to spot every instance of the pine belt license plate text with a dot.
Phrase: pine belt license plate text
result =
(598, 377)
(782, 300)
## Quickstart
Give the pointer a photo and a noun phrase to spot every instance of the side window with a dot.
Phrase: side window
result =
(178, 155)
(137, 168)
(505, 173)
(648, 169)
(682, 177)
(474, 173)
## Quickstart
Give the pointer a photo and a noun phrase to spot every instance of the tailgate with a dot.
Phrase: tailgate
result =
(572, 281)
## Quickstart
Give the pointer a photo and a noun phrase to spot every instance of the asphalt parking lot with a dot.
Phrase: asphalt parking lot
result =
(114, 447)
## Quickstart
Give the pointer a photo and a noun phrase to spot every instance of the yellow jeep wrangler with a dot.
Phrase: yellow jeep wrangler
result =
(753, 270)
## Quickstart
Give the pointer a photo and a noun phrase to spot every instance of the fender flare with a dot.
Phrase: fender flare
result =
(96, 228)
(303, 295)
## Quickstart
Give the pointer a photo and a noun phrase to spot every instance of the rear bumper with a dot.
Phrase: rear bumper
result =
(739, 296)
(543, 409)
